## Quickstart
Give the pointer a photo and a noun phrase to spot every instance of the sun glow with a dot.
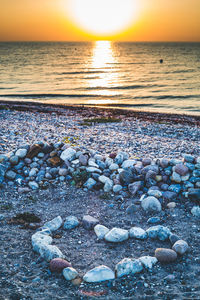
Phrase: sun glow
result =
(103, 18)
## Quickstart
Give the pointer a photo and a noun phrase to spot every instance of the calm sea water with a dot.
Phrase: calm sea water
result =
(127, 75)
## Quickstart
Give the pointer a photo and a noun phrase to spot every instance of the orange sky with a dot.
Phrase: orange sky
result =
(49, 20)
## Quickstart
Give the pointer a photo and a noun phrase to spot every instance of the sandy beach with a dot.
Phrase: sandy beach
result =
(25, 275)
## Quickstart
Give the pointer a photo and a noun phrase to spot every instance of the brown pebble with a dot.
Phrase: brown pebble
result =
(112, 155)
(34, 150)
(165, 255)
(77, 281)
(55, 161)
(58, 264)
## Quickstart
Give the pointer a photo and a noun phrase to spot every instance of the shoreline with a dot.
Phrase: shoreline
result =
(156, 117)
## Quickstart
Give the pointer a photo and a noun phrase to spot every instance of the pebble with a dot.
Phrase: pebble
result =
(164, 255)
(117, 235)
(154, 220)
(171, 205)
(100, 231)
(158, 231)
(128, 266)
(54, 224)
(180, 247)
(70, 222)
(33, 185)
(138, 233)
(21, 153)
(174, 238)
(151, 204)
(49, 252)
(89, 222)
(58, 264)
(68, 154)
(196, 211)
(99, 274)
(148, 261)
(70, 273)
(134, 187)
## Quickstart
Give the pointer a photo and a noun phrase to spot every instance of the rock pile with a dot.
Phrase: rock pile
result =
(41, 242)
(154, 180)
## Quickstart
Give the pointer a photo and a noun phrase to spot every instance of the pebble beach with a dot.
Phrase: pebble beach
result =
(141, 171)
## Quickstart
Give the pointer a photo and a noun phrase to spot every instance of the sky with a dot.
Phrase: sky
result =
(76, 20)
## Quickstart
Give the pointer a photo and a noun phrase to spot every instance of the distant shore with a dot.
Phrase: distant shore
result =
(192, 120)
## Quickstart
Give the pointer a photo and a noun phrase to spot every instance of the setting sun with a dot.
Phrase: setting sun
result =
(103, 17)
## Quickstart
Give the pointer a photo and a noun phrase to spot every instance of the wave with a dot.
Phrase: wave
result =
(43, 96)
(81, 72)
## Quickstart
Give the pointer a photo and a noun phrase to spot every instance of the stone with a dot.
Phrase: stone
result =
(171, 205)
(10, 175)
(40, 238)
(89, 222)
(63, 172)
(34, 150)
(151, 204)
(158, 231)
(117, 188)
(146, 161)
(138, 233)
(117, 235)
(176, 177)
(49, 252)
(196, 211)
(108, 185)
(54, 224)
(180, 247)
(168, 195)
(134, 187)
(154, 220)
(194, 195)
(70, 273)
(21, 153)
(33, 172)
(90, 183)
(55, 161)
(14, 160)
(33, 185)
(112, 155)
(148, 168)
(129, 163)
(126, 177)
(103, 179)
(188, 158)
(99, 274)
(173, 238)
(154, 193)
(93, 170)
(113, 167)
(58, 264)
(164, 162)
(128, 266)
(83, 159)
(181, 169)
(100, 231)
(91, 163)
(69, 154)
(148, 261)
(70, 222)
(165, 255)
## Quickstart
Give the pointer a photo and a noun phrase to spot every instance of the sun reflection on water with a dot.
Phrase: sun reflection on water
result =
(103, 61)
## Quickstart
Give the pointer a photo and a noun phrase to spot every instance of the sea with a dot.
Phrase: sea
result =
(152, 77)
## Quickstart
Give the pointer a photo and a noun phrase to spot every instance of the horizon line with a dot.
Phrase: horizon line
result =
(88, 41)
